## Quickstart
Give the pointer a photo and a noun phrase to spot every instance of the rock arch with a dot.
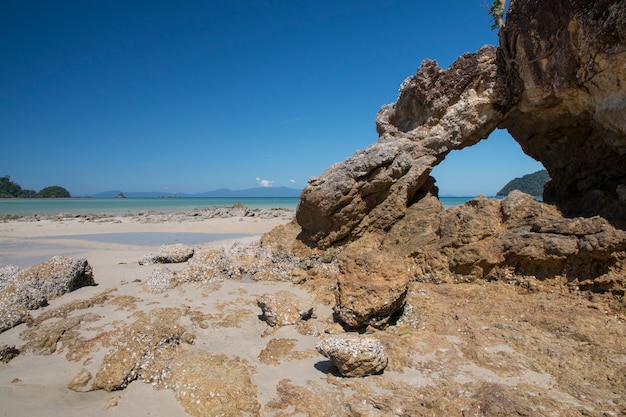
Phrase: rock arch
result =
(557, 83)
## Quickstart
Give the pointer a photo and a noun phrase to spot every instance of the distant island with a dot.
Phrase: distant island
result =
(267, 192)
(530, 184)
(10, 189)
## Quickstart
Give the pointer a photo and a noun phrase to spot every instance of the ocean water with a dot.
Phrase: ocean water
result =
(122, 206)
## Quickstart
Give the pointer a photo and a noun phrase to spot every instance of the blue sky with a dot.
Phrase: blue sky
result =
(192, 96)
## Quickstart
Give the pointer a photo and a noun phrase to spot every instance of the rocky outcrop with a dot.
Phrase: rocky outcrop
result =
(160, 280)
(567, 66)
(515, 236)
(557, 84)
(28, 289)
(354, 356)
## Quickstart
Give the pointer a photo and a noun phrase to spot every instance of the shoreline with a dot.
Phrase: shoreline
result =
(29, 240)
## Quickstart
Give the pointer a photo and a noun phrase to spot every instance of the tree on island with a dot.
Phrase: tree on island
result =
(530, 184)
(10, 189)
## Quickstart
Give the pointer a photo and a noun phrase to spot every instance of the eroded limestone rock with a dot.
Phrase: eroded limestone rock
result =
(557, 84)
(354, 356)
(168, 254)
(567, 65)
(160, 280)
(284, 308)
(437, 111)
(33, 287)
(371, 287)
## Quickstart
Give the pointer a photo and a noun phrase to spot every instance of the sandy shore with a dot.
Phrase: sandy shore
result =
(37, 384)
(481, 348)
(25, 243)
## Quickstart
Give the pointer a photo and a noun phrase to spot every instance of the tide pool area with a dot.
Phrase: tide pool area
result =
(124, 206)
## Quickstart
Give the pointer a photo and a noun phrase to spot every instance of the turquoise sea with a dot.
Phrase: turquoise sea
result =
(122, 206)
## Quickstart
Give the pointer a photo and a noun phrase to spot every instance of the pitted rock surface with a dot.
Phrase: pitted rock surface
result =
(284, 308)
(27, 289)
(437, 111)
(168, 254)
(354, 356)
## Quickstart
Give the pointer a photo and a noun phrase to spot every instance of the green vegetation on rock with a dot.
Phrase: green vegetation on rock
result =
(530, 184)
(53, 192)
(10, 189)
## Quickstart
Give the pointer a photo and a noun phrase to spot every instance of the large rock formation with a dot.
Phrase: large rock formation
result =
(437, 111)
(557, 84)
(567, 66)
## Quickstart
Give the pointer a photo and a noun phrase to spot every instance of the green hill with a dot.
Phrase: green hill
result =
(10, 189)
(530, 184)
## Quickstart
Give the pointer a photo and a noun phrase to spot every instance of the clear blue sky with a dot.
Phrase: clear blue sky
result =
(192, 96)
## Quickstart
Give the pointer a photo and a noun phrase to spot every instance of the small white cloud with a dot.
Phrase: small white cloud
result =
(264, 183)
(292, 181)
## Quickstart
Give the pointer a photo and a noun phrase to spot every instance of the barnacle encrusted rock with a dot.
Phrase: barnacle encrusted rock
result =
(27, 289)
(160, 280)
(284, 308)
(149, 338)
(354, 356)
(168, 254)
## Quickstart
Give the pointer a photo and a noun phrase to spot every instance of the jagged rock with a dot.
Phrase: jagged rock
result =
(437, 111)
(354, 356)
(175, 253)
(284, 308)
(556, 83)
(34, 286)
(527, 237)
(567, 66)
(371, 287)
(209, 266)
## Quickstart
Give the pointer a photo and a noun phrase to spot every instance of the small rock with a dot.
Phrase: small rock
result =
(168, 254)
(160, 280)
(284, 308)
(354, 356)
(80, 381)
(7, 353)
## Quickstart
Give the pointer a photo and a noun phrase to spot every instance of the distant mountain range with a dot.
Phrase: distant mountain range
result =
(222, 193)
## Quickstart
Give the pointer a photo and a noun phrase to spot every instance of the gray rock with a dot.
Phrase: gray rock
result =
(34, 286)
